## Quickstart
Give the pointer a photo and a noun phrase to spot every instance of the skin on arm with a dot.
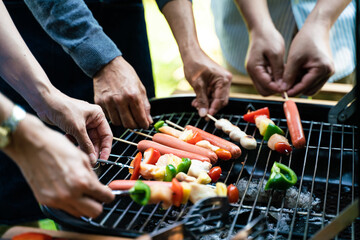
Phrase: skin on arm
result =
(265, 56)
(309, 63)
(59, 179)
(210, 81)
(84, 121)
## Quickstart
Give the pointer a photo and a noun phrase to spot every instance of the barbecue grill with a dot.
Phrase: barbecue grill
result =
(326, 170)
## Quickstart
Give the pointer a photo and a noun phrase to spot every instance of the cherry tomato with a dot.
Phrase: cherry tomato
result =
(151, 155)
(32, 236)
(223, 154)
(215, 174)
(282, 147)
(135, 172)
(233, 193)
(195, 138)
(250, 116)
(177, 192)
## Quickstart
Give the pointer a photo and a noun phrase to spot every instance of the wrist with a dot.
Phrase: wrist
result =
(190, 52)
(27, 135)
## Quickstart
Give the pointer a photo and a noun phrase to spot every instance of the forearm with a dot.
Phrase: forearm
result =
(326, 12)
(179, 15)
(5, 108)
(71, 24)
(255, 13)
(17, 64)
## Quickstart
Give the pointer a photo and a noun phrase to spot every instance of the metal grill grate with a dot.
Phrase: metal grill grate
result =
(326, 182)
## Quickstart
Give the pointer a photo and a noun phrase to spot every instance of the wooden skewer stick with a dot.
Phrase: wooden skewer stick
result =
(174, 125)
(142, 134)
(286, 96)
(211, 117)
(124, 141)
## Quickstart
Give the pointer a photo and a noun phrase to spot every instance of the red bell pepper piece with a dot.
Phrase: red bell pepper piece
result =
(282, 147)
(195, 138)
(250, 116)
(135, 172)
(177, 192)
(151, 156)
(32, 236)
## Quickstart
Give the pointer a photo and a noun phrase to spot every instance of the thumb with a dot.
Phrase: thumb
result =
(277, 69)
(291, 72)
(202, 100)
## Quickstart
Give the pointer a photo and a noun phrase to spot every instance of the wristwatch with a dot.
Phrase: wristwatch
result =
(10, 124)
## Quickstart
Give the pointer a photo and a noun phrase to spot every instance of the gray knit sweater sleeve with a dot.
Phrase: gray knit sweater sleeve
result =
(71, 24)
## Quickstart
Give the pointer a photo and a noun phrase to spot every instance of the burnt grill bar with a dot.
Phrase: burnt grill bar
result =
(325, 169)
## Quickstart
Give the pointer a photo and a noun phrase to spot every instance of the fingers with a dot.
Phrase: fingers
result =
(263, 80)
(85, 143)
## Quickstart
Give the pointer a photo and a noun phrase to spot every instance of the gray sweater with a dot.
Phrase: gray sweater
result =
(71, 24)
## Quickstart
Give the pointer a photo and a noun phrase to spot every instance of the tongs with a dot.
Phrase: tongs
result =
(209, 211)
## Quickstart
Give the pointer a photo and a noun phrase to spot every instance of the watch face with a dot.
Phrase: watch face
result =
(4, 137)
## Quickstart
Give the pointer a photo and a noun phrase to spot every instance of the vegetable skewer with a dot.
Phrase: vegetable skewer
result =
(235, 133)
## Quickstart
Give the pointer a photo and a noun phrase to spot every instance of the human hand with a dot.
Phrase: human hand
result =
(81, 120)
(122, 96)
(210, 81)
(58, 173)
(265, 59)
(309, 63)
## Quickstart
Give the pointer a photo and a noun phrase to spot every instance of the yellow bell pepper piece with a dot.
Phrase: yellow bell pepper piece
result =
(203, 178)
(186, 192)
(264, 124)
(221, 189)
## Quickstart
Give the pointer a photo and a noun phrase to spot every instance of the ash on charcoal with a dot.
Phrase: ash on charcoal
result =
(291, 195)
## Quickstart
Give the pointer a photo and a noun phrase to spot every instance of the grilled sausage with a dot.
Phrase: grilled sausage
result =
(217, 141)
(294, 124)
(127, 184)
(179, 144)
(145, 144)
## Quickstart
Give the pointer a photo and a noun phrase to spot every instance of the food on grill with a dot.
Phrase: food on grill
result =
(217, 141)
(294, 124)
(235, 133)
(151, 155)
(193, 138)
(168, 166)
(32, 236)
(279, 143)
(215, 173)
(174, 142)
(251, 115)
(145, 144)
(173, 192)
(135, 172)
(232, 193)
(268, 129)
(281, 178)
(221, 153)
(140, 193)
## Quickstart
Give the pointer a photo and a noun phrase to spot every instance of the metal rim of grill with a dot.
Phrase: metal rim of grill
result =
(325, 169)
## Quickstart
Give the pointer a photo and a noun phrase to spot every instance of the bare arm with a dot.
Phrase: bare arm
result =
(20, 69)
(309, 63)
(210, 81)
(265, 57)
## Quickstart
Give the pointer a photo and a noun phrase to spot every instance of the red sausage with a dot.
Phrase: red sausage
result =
(179, 144)
(218, 141)
(145, 144)
(294, 124)
(127, 184)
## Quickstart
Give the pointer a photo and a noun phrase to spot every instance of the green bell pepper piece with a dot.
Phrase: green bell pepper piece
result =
(140, 193)
(184, 165)
(159, 124)
(281, 177)
(170, 173)
(272, 129)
